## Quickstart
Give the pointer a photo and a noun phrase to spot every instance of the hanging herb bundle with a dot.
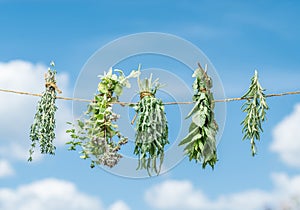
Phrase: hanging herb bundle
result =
(151, 127)
(42, 129)
(255, 107)
(95, 135)
(201, 140)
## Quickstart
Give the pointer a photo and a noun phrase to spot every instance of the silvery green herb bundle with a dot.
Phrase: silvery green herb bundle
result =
(97, 134)
(201, 140)
(151, 127)
(255, 107)
(42, 129)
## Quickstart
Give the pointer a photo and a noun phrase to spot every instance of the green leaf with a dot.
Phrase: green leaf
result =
(102, 88)
(80, 124)
(70, 131)
(118, 90)
(194, 109)
(190, 136)
(199, 119)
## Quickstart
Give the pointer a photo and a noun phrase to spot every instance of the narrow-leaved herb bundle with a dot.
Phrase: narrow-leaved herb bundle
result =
(42, 129)
(95, 135)
(151, 127)
(255, 107)
(201, 140)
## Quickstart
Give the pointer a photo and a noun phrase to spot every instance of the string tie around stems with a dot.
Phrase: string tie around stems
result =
(54, 86)
(142, 95)
(146, 93)
(203, 90)
(49, 84)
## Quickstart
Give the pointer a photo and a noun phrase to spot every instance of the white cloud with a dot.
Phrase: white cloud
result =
(17, 151)
(52, 194)
(166, 196)
(175, 195)
(119, 205)
(17, 111)
(6, 169)
(286, 138)
(47, 194)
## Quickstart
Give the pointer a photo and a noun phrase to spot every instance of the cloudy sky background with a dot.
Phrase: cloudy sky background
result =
(238, 37)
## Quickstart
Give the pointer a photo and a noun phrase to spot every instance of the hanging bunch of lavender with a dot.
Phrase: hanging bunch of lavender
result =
(151, 127)
(42, 130)
(97, 134)
(201, 140)
(255, 107)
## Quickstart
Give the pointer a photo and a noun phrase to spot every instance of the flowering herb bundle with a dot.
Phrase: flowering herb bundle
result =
(201, 140)
(255, 107)
(151, 127)
(96, 135)
(42, 131)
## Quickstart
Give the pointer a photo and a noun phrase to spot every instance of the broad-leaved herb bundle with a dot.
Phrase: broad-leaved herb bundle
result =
(42, 130)
(97, 134)
(151, 127)
(255, 107)
(201, 140)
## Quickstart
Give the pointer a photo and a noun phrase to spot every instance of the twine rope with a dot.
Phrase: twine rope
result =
(166, 103)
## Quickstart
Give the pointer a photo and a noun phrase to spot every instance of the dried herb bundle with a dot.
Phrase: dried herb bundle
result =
(255, 107)
(42, 129)
(201, 140)
(151, 127)
(95, 135)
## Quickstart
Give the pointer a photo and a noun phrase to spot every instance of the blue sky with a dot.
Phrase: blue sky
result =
(237, 37)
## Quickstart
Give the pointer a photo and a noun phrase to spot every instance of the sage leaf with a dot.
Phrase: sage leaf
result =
(151, 127)
(200, 142)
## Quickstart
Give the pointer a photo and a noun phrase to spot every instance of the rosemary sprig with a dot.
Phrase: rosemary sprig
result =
(255, 107)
